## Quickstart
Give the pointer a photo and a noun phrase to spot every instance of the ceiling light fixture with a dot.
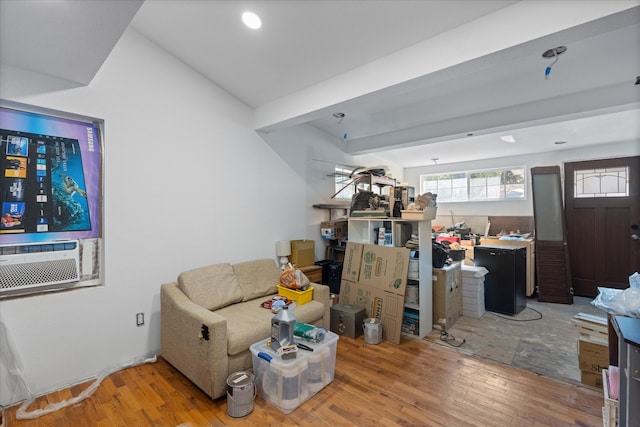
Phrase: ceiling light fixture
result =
(508, 138)
(560, 142)
(340, 117)
(251, 20)
(552, 53)
(435, 160)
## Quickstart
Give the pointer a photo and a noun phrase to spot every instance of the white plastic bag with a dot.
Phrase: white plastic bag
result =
(620, 302)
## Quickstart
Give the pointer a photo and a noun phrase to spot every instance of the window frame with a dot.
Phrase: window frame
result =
(467, 175)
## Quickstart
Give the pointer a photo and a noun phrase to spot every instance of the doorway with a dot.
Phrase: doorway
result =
(602, 211)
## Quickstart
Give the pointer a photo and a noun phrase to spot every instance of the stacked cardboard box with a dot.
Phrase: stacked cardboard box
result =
(335, 229)
(593, 348)
(447, 295)
(303, 252)
(473, 291)
(375, 277)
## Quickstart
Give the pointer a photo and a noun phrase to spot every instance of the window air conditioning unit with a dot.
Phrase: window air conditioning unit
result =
(34, 265)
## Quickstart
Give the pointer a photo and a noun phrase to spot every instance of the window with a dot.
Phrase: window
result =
(606, 182)
(342, 175)
(465, 186)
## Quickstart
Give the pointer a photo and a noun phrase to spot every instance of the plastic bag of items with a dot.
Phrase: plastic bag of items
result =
(293, 278)
(620, 302)
(423, 201)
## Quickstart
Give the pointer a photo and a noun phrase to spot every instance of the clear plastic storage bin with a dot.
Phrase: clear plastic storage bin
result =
(288, 383)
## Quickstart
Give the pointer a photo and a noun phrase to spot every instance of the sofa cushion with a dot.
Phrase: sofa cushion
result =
(247, 323)
(211, 287)
(257, 278)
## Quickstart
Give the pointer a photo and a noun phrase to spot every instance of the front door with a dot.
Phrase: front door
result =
(602, 212)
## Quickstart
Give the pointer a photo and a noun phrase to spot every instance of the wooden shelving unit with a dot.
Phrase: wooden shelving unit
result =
(362, 230)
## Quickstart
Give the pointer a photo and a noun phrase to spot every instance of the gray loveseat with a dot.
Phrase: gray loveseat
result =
(210, 317)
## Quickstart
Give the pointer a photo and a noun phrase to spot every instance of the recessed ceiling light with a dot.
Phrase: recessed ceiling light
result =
(560, 142)
(251, 20)
(508, 138)
(551, 53)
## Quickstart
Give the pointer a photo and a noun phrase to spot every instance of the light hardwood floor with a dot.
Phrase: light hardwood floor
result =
(416, 383)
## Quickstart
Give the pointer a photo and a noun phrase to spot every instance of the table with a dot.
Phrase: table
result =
(287, 384)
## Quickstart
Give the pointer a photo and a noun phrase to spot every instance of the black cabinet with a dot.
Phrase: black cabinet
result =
(505, 284)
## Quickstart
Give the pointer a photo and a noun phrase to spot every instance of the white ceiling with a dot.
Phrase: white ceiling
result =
(589, 99)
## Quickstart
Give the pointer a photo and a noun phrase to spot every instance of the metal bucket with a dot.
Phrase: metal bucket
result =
(241, 393)
(372, 331)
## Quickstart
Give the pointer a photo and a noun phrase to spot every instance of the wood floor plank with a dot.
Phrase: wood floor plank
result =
(416, 383)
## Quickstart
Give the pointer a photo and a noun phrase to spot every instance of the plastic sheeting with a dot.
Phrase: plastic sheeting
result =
(620, 302)
(20, 391)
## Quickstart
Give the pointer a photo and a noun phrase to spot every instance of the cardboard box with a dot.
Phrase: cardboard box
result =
(379, 286)
(592, 356)
(351, 262)
(385, 268)
(592, 328)
(336, 229)
(447, 296)
(386, 306)
(428, 214)
(313, 273)
(303, 252)
(594, 379)
(469, 256)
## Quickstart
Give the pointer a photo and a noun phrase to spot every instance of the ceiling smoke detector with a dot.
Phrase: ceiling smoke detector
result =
(554, 52)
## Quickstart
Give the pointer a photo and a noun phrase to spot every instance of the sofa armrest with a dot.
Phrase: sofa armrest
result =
(321, 293)
(193, 339)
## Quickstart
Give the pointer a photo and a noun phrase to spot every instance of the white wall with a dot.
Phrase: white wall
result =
(314, 155)
(187, 183)
(514, 207)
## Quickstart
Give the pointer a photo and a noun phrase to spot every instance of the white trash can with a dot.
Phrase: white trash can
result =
(372, 330)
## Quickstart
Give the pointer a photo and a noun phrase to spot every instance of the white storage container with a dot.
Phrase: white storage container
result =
(288, 383)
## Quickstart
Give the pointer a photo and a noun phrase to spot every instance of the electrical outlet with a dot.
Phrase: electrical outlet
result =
(140, 319)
